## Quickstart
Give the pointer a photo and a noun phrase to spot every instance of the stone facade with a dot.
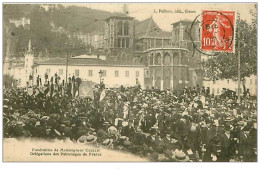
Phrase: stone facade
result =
(178, 64)
(119, 38)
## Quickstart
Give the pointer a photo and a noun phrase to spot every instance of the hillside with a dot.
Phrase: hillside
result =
(72, 19)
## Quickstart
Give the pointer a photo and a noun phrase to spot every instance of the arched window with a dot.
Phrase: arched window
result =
(167, 59)
(120, 28)
(184, 59)
(126, 28)
(123, 43)
(175, 58)
(123, 56)
(119, 42)
(108, 56)
(127, 43)
(158, 59)
(151, 59)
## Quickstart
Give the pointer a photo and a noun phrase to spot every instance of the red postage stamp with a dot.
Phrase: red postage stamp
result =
(218, 31)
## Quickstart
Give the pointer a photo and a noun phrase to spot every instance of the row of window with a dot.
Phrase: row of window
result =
(251, 81)
(90, 73)
(122, 28)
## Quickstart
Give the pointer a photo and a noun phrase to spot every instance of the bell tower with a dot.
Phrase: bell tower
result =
(119, 37)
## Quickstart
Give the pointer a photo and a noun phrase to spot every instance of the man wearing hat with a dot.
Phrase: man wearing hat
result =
(226, 146)
(128, 130)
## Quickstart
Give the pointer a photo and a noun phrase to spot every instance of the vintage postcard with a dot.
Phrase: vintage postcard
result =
(130, 82)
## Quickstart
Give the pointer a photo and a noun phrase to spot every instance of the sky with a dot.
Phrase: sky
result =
(165, 14)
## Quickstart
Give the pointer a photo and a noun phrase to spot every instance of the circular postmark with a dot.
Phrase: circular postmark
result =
(216, 32)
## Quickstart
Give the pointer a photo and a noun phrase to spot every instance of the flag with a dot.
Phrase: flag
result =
(86, 89)
(30, 91)
(102, 95)
(41, 89)
(36, 92)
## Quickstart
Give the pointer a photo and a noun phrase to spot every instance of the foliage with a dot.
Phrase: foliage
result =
(9, 81)
(46, 39)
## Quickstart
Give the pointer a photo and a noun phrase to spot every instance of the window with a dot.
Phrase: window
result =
(77, 73)
(90, 72)
(181, 34)
(35, 70)
(123, 43)
(116, 74)
(119, 42)
(213, 90)
(126, 28)
(127, 74)
(48, 71)
(127, 43)
(136, 73)
(120, 28)
(228, 81)
(60, 71)
(19, 82)
(218, 91)
(104, 73)
(251, 81)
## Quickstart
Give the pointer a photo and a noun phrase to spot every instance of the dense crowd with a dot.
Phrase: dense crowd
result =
(192, 125)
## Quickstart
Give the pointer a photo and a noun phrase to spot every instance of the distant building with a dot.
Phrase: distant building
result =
(217, 86)
(25, 22)
(95, 39)
(88, 56)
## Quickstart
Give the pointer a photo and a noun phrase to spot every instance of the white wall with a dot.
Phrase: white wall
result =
(250, 83)
(19, 74)
(110, 80)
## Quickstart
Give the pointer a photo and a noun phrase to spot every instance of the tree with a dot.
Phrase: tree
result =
(9, 81)
(224, 65)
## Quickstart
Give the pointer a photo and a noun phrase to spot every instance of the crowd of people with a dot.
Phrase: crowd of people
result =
(192, 125)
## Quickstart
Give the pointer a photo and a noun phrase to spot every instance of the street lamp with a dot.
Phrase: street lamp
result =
(100, 75)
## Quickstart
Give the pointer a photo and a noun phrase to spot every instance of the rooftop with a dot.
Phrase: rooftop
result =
(120, 15)
(89, 62)
(186, 21)
(149, 28)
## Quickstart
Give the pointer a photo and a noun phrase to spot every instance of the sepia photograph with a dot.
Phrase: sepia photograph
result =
(131, 82)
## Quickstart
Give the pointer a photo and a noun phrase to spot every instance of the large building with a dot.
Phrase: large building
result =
(112, 73)
(87, 67)
(170, 58)
(119, 38)
(217, 86)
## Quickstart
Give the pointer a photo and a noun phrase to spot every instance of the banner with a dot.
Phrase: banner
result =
(30, 91)
(102, 95)
(86, 89)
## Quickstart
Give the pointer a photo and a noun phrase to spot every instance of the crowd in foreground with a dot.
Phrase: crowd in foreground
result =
(189, 126)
